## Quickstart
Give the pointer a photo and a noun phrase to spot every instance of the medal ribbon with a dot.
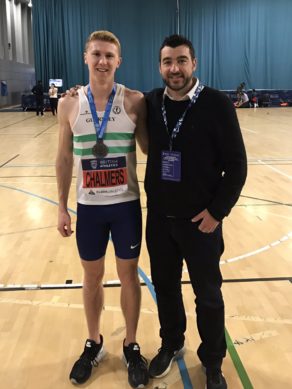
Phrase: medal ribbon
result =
(100, 128)
(181, 119)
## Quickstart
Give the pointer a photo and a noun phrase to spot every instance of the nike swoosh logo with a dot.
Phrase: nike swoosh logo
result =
(134, 246)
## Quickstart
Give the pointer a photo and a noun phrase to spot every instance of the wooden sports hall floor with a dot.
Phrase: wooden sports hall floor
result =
(42, 325)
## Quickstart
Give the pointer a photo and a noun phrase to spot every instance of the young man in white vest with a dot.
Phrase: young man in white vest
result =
(98, 131)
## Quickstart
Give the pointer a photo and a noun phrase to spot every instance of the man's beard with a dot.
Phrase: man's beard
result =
(186, 81)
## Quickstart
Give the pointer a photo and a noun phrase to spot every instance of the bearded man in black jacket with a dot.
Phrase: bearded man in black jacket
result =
(195, 172)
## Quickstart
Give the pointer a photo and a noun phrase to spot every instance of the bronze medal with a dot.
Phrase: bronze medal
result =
(100, 150)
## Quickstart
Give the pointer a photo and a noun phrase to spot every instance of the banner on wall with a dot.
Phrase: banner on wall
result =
(4, 89)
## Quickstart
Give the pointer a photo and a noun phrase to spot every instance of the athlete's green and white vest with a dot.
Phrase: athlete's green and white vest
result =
(112, 179)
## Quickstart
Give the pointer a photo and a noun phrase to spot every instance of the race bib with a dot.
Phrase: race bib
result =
(106, 176)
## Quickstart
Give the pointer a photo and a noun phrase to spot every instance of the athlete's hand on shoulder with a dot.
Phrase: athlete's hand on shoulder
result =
(72, 92)
(64, 223)
(208, 223)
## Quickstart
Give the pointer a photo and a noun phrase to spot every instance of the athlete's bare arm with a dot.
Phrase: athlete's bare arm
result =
(135, 107)
(67, 111)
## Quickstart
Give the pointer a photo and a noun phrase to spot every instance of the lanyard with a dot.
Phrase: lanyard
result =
(100, 128)
(181, 119)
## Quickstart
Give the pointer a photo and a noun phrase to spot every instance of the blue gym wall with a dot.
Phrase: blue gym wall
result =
(234, 40)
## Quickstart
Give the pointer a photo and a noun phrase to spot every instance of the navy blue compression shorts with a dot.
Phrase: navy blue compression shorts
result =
(95, 223)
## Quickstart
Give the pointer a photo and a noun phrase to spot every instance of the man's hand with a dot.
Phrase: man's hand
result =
(208, 223)
(64, 224)
(72, 92)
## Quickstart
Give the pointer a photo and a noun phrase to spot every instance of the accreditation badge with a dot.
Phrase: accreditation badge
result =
(171, 166)
(105, 176)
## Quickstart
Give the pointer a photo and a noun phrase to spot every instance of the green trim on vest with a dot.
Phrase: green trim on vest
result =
(111, 150)
(109, 136)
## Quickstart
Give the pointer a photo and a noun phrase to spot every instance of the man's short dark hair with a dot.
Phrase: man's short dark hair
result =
(176, 40)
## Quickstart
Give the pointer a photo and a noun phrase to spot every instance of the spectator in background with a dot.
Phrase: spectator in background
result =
(242, 100)
(38, 91)
(240, 87)
(53, 94)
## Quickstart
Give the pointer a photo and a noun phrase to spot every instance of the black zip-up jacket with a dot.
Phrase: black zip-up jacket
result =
(214, 165)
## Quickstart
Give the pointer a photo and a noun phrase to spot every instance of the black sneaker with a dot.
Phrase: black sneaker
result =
(215, 379)
(161, 363)
(90, 357)
(138, 376)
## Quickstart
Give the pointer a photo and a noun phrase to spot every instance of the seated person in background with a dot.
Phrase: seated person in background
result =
(240, 87)
(242, 100)
(264, 100)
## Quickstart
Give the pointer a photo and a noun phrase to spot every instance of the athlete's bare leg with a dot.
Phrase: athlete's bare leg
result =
(130, 296)
(93, 296)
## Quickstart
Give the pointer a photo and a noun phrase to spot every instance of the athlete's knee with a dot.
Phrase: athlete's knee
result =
(128, 272)
(129, 276)
(92, 280)
(93, 272)
(130, 280)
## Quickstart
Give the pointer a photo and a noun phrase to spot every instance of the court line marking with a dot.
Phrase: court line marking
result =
(260, 250)
(9, 160)
(222, 262)
(15, 134)
(180, 362)
(30, 230)
(248, 130)
(35, 195)
(31, 182)
(117, 284)
(33, 176)
(259, 319)
(230, 347)
(272, 163)
(22, 120)
(244, 378)
(40, 133)
(270, 159)
(55, 303)
(30, 165)
(276, 214)
(182, 367)
(275, 169)
(250, 161)
(264, 200)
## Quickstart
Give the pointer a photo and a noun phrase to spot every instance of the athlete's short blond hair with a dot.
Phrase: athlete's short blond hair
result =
(105, 36)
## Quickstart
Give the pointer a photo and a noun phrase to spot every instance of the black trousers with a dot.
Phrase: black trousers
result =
(169, 241)
(54, 105)
(39, 105)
